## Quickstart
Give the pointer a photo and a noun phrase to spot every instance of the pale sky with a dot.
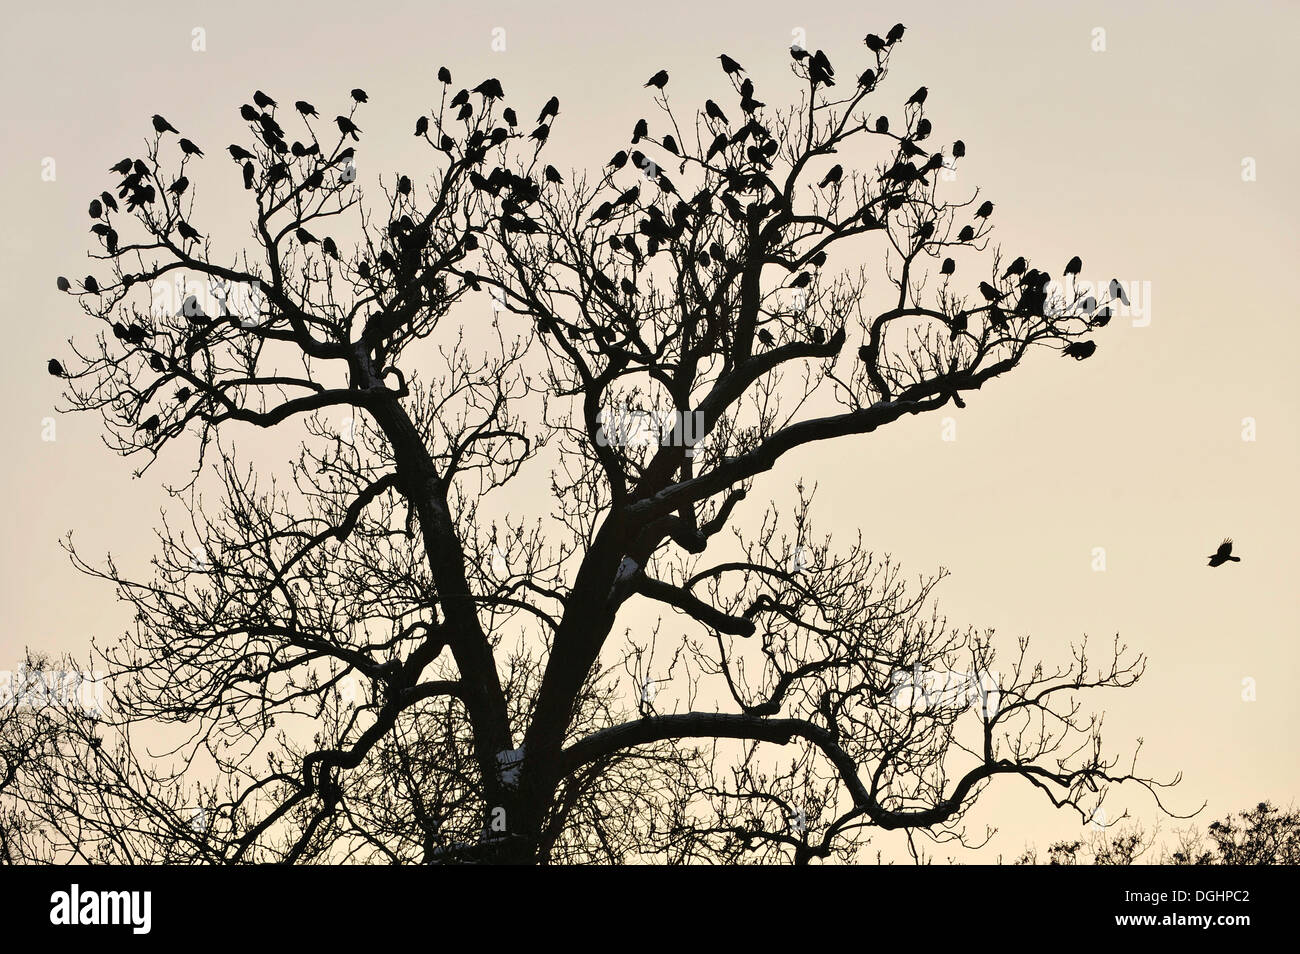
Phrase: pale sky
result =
(1132, 157)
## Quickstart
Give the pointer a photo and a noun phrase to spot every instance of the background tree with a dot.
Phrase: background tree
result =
(1263, 835)
(371, 668)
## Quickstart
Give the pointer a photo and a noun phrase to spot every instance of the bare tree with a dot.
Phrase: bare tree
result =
(358, 662)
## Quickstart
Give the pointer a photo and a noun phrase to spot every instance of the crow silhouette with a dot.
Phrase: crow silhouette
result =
(1078, 350)
(729, 65)
(306, 108)
(347, 127)
(161, 125)
(832, 176)
(55, 368)
(263, 101)
(360, 95)
(1224, 554)
(659, 80)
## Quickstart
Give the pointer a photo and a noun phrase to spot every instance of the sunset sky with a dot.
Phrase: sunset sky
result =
(1132, 157)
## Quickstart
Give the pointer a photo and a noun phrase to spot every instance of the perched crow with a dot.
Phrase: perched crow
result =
(552, 174)
(109, 202)
(248, 175)
(882, 124)
(550, 110)
(834, 175)
(540, 134)
(618, 161)
(864, 353)
(819, 336)
(329, 248)
(305, 237)
(820, 70)
(1074, 266)
(509, 116)
(263, 101)
(187, 232)
(641, 129)
(949, 266)
(895, 33)
(802, 280)
(1101, 318)
(958, 149)
(671, 145)
(306, 108)
(918, 98)
(96, 208)
(490, 89)
(55, 368)
(1078, 350)
(151, 423)
(729, 65)
(874, 43)
(765, 337)
(603, 212)
(179, 186)
(1015, 268)
(966, 234)
(347, 127)
(990, 293)
(958, 324)
(984, 211)
(239, 153)
(91, 285)
(659, 80)
(1117, 291)
(360, 95)
(713, 111)
(1224, 554)
(64, 284)
(161, 125)
(444, 75)
(404, 185)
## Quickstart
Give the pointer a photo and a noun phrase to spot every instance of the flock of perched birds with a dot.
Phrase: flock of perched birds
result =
(517, 192)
